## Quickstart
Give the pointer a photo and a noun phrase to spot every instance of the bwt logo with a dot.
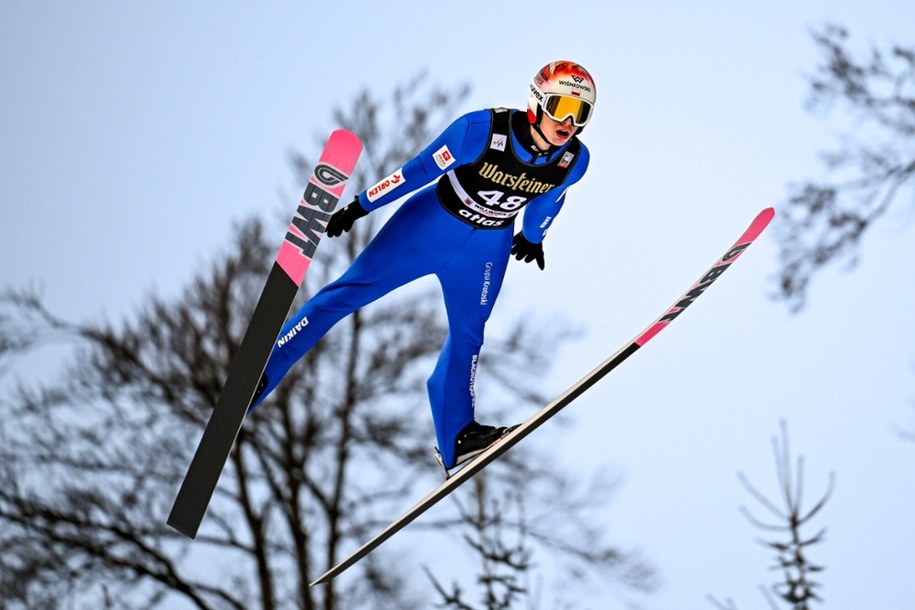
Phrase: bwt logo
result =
(311, 218)
(329, 176)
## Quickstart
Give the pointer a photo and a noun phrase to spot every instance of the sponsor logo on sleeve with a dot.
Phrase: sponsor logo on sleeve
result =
(443, 157)
(385, 185)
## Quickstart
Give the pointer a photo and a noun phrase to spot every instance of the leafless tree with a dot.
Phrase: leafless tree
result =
(824, 222)
(797, 586)
(507, 535)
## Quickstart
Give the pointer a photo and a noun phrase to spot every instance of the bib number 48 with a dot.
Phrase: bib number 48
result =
(494, 200)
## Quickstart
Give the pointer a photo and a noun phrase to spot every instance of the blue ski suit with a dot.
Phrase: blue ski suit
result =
(458, 228)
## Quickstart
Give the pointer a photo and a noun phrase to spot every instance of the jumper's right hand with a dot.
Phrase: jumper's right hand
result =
(342, 220)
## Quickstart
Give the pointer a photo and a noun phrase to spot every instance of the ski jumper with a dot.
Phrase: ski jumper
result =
(459, 229)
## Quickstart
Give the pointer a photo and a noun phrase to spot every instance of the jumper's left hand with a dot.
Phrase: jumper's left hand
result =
(527, 251)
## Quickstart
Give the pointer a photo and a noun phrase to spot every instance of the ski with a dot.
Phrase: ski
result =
(292, 261)
(540, 417)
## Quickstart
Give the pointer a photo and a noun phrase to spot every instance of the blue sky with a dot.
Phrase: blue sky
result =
(133, 135)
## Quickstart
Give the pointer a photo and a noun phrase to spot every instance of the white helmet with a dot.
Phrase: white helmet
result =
(562, 89)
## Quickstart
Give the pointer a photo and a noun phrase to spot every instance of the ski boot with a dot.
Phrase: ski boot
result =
(473, 440)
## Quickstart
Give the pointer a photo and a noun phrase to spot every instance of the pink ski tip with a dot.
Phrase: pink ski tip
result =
(337, 161)
(345, 137)
(758, 225)
(342, 149)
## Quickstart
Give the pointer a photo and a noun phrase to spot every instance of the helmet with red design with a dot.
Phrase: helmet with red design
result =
(562, 89)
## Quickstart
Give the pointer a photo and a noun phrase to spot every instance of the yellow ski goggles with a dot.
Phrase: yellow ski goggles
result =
(560, 107)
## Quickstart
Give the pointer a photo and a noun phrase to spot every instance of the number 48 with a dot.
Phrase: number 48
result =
(494, 199)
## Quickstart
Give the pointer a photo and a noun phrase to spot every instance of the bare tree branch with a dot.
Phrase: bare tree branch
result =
(797, 587)
(824, 222)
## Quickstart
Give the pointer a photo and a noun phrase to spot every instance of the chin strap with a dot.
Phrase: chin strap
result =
(534, 121)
